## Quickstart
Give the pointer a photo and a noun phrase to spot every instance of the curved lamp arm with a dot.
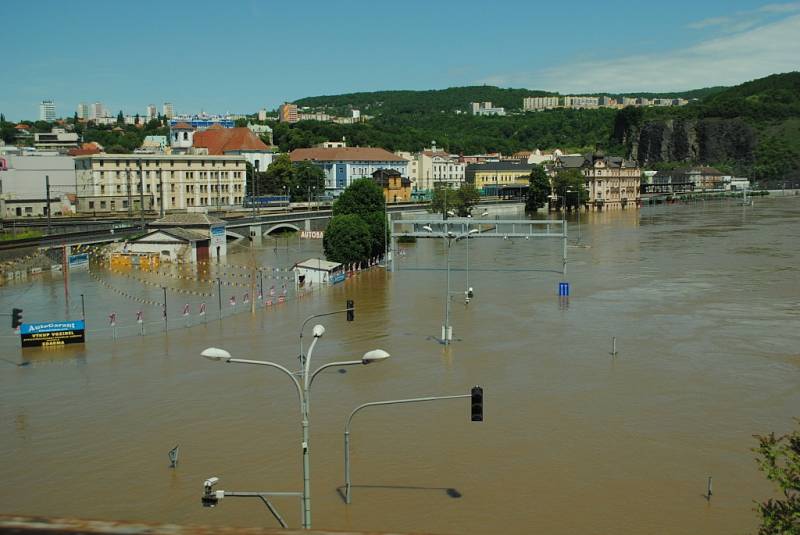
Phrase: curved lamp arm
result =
(331, 365)
(272, 365)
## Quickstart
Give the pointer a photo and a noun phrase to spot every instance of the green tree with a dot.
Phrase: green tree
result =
(779, 459)
(347, 239)
(362, 197)
(120, 118)
(378, 232)
(308, 178)
(241, 122)
(538, 191)
(279, 176)
(458, 201)
(569, 184)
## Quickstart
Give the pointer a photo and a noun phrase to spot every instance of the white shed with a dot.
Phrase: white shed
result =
(318, 271)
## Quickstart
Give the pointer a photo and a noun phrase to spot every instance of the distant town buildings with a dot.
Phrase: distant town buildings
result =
(152, 112)
(47, 111)
(57, 140)
(594, 102)
(343, 165)
(539, 103)
(83, 111)
(287, 113)
(168, 110)
(203, 121)
(486, 108)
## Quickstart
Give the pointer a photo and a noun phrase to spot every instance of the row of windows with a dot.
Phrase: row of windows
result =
(202, 201)
(158, 163)
(119, 175)
(212, 201)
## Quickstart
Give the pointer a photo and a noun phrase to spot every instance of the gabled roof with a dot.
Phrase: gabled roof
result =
(224, 140)
(182, 126)
(345, 154)
(176, 232)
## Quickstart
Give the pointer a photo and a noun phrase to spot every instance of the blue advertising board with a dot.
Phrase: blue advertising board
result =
(339, 276)
(52, 333)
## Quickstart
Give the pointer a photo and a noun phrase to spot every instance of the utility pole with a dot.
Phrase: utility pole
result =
(47, 195)
(141, 192)
(161, 191)
(130, 193)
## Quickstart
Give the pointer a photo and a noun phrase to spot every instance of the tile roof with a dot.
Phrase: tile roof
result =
(223, 140)
(182, 126)
(345, 154)
(176, 232)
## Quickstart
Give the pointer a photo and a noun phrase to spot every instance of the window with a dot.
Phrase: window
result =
(91, 205)
(102, 205)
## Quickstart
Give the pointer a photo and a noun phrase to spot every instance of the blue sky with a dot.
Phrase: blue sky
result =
(240, 55)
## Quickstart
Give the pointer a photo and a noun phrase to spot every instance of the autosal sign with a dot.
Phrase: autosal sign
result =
(52, 333)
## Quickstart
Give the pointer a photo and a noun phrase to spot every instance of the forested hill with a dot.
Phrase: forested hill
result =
(752, 129)
(453, 99)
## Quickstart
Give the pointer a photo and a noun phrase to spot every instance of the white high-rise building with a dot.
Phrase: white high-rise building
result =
(262, 114)
(83, 111)
(169, 111)
(96, 111)
(152, 112)
(47, 111)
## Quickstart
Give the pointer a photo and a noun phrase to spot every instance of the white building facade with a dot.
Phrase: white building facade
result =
(116, 182)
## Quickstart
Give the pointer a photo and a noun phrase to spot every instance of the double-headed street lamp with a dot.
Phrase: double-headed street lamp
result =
(449, 238)
(302, 381)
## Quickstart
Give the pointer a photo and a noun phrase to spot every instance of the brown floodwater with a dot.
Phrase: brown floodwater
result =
(704, 300)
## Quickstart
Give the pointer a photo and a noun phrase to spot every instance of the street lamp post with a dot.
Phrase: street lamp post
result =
(302, 380)
(449, 238)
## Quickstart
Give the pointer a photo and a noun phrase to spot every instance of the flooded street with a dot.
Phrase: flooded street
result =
(704, 300)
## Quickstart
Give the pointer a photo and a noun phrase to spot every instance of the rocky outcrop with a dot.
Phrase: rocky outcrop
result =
(707, 141)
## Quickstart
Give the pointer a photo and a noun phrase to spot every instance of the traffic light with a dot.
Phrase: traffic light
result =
(16, 317)
(351, 311)
(477, 404)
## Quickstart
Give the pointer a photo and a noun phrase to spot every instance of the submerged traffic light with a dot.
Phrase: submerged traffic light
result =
(351, 311)
(16, 317)
(477, 404)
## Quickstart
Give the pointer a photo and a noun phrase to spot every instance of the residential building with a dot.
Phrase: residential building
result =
(489, 177)
(168, 110)
(314, 116)
(287, 113)
(612, 182)
(82, 111)
(208, 227)
(396, 187)
(262, 114)
(262, 130)
(436, 168)
(152, 112)
(97, 110)
(234, 141)
(47, 111)
(154, 145)
(58, 140)
(539, 103)
(581, 102)
(607, 102)
(629, 101)
(486, 108)
(113, 182)
(342, 165)
(332, 144)
(174, 244)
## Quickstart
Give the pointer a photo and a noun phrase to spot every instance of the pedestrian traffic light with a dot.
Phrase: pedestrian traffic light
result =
(477, 404)
(16, 317)
(351, 311)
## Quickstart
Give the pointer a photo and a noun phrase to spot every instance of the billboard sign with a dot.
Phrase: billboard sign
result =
(52, 333)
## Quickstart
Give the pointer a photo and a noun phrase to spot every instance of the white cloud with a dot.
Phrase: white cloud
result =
(727, 60)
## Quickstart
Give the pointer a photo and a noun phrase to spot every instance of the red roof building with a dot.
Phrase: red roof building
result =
(220, 141)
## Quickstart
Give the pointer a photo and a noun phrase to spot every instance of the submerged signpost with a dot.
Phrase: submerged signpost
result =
(53, 333)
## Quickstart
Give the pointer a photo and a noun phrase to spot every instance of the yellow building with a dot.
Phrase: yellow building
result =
(489, 177)
(396, 188)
